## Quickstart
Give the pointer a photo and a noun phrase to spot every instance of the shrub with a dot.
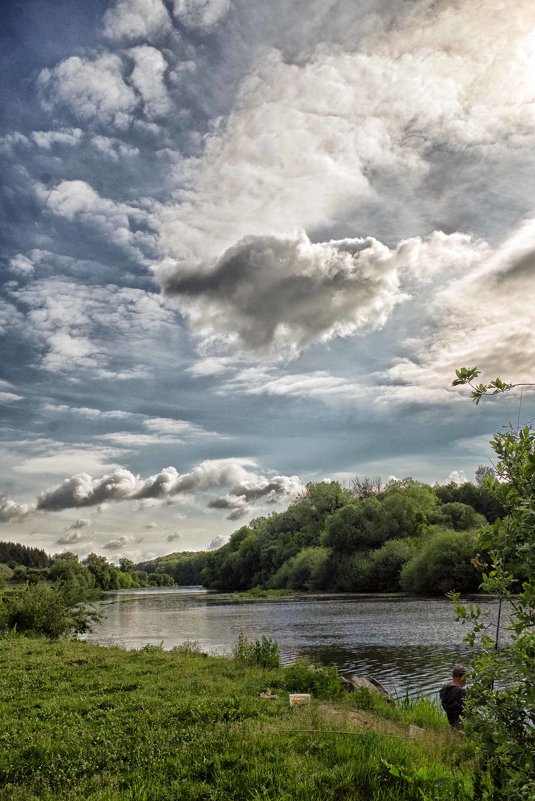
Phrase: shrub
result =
(264, 652)
(302, 677)
(40, 609)
(444, 564)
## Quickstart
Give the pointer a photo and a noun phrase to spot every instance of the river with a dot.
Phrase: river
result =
(408, 644)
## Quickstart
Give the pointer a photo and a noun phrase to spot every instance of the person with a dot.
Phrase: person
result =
(452, 695)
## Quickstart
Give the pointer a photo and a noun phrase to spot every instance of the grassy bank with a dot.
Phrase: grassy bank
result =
(79, 721)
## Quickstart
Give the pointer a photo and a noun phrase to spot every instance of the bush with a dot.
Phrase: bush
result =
(264, 652)
(385, 565)
(443, 564)
(302, 677)
(40, 609)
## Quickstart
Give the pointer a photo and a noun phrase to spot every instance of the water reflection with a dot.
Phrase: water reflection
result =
(408, 644)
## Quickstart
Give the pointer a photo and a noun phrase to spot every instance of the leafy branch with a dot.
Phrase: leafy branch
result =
(468, 375)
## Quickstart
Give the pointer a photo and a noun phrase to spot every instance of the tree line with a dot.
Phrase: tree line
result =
(406, 536)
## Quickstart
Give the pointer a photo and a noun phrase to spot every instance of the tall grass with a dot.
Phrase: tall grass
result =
(79, 721)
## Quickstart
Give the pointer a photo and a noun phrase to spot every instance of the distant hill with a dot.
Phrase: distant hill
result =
(185, 566)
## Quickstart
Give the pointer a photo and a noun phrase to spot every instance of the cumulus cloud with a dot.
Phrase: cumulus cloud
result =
(70, 538)
(47, 139)
(83, 490)
(273, 490)
(9, 510)
(282, 293)
(217, 542)
(117, 543)
(472, 323)
(200, 13)
(148, 78)
(136, 19)
(457, 477)
(206, 475)
(306, 139)
(93, 89)
(247, 486)
(174, 537)
(22, 264)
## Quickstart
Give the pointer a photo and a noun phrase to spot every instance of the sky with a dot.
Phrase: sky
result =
(244, 246)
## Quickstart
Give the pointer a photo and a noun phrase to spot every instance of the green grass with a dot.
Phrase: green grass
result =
(79, 721)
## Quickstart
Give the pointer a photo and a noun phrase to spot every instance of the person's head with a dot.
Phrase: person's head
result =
(459, 675)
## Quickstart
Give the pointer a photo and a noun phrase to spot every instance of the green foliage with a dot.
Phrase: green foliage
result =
(302, 677)
(500, 710)
(44, 610)
(443, 564)
(263, 652)
(105, 575)
(384, 567)
(13, 553)
(303, 571)
(185, 567)
(354, 527)
(330, 539)
(467, 375)
(78, 721)
(458, 516)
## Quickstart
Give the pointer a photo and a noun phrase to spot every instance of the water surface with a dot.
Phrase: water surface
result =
(408, 644)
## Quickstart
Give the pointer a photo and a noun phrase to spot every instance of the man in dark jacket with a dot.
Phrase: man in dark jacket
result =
(452, 696)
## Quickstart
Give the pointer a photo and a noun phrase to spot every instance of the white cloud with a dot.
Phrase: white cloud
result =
(217, 542)
(246, 484)
(136, 19)
(60, 458)
(77, 201)
(457, 477)
(82, 327)
(9, 397)
(47, 139)
(211, 365)
(118, 543)
(484, 318)
(9, 510)
(314, 384)
(148, 78)
(114, 148)
(163, 429)
(92, 89)
(70, 539)
(283, 293)
(304, 140)
(200, 13)
(22, 264)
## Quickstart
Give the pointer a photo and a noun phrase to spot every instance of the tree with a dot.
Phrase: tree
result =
(105, 574)
(354, 527)
(444, 564)
(386, 563)
(500, 712)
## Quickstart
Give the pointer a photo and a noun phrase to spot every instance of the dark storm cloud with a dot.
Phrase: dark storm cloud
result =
(287, 292)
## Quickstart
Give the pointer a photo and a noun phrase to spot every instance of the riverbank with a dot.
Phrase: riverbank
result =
(82, 721)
